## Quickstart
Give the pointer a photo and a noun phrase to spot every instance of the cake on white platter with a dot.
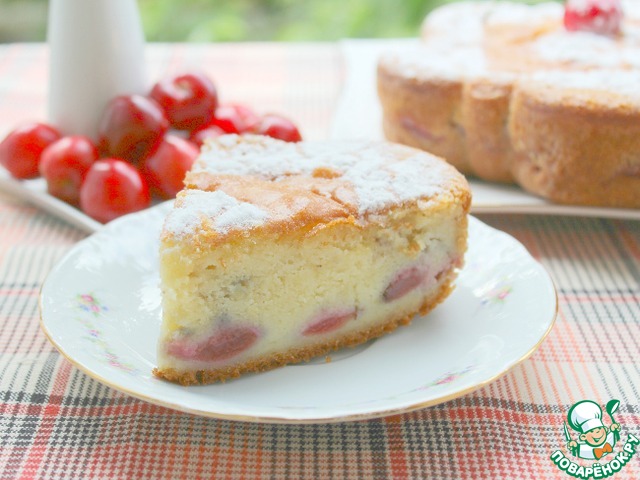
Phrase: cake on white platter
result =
(522, 93)
(278, 252)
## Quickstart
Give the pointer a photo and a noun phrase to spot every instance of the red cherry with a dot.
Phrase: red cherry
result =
(131, 127)
(211, 131)
(598, 16)
(329, 321)
(64, 165)
(228, 119)
(279, 127)
(405, 281)
(189, 100)
(112, 188)
(166, 167)
(22, 148)
(246, 113)
(226, 343)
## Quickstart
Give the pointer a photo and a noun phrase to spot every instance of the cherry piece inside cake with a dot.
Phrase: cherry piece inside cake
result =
(278, 252)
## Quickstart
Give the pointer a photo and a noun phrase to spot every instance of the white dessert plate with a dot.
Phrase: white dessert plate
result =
(358, 115)
(35, 192)
(100, 306)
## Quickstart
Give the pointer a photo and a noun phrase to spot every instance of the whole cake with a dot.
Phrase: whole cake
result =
(528, 94)
(278, 252)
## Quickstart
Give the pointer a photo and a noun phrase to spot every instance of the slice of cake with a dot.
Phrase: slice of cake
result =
(278, 252)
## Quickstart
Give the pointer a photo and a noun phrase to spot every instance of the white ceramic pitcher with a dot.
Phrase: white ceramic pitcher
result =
(96, 53)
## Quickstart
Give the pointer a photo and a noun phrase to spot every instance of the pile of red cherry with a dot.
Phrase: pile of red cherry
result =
(146, 144)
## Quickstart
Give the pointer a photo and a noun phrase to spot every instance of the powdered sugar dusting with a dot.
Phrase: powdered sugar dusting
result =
(631, 9)
(463, 23)
(221, 211)
(581, 5)
(510, 13)
(229, 154)
(437, 61)
(470, 40)
(404, 177)
(380, 174)
(580, 48)
(615, 82)
(379, 182)
(459, 21)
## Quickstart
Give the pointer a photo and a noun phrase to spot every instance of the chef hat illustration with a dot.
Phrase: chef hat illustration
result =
(585, 416)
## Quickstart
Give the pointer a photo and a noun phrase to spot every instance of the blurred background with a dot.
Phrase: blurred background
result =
(244, 20)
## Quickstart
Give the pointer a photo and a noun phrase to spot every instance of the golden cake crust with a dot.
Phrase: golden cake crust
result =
(506, 107)
(321, 195)
(289, 207)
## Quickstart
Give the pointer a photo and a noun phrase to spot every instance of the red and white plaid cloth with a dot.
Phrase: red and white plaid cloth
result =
(57, 423)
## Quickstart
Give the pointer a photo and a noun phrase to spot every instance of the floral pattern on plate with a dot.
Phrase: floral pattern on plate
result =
(90, 312)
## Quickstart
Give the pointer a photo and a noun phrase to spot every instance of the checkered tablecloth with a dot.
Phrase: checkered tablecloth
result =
(57, 423)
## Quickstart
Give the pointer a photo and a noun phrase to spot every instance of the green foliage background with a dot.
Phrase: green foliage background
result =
(244, 20)
(282, 19)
